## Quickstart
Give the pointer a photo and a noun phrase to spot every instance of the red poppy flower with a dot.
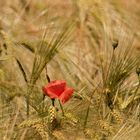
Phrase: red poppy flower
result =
(58, 89)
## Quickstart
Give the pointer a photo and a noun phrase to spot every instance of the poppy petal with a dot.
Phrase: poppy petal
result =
(52, 96)
(55, 88)
(65, 96)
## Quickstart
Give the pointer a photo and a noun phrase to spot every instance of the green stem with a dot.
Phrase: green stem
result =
(43, 105)
(61, 108)
(88, 109)
(28, 107)
(28, 102)
(109, 67)
(53, 100)
(86, 118)
(136, 90)
(29, 91)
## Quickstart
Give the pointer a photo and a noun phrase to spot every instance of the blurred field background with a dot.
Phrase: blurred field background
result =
(92, 44)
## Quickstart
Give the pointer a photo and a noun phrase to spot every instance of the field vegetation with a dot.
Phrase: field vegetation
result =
(92, 45)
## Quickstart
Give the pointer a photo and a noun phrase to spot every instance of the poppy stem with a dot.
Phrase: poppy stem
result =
(43, 97)
(47, 76)
(61, 108)
(53, 100)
